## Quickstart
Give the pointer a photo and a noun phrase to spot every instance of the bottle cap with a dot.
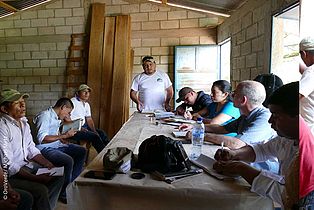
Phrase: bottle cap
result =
(199, 119)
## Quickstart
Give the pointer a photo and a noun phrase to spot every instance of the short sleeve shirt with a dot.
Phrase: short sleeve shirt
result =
(152, 89)
(227, 109)
(253, 128)
(81, 109)
(306, 88)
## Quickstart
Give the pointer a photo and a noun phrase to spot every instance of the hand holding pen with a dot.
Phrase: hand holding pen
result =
(223, 154)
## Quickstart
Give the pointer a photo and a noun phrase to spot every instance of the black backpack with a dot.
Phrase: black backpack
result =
(271, 83)
(163, 154)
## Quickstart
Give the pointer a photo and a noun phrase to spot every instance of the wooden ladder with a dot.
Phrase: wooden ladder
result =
(76, 63)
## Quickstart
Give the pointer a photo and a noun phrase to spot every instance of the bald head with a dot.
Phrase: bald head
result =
(254, 91)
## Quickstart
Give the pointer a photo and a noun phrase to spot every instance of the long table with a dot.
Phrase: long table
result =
(195, 192)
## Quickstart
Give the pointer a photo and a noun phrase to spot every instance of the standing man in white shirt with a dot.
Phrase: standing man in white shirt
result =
(306, 89)
(152, 89)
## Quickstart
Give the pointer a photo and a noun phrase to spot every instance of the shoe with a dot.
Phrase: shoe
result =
(63, 200)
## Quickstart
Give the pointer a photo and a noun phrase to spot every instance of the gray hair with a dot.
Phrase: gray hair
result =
(254, 91)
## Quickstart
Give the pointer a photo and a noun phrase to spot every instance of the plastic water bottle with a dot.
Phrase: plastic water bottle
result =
(197, 138)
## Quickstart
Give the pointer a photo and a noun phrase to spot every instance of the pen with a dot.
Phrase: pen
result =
(222, 145)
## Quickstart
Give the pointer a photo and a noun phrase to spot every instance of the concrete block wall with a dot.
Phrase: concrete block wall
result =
(33, 50)
(34, 43)
(250, 31)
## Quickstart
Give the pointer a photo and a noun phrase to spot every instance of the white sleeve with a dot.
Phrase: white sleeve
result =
(270, 185)
(167, 80)
(88, 112)
(135, 83)
(268, 150)
(305, 86)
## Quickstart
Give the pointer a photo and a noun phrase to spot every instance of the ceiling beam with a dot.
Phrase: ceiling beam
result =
(8, 7)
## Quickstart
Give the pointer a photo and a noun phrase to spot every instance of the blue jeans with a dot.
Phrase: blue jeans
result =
(71, 156)
(98, 141)
(307, 203)
(45, 196)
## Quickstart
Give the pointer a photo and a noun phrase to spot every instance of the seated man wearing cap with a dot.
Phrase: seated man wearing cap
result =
(199, 101)
(82, 110)
(306, 89)
(152, 89)
(19, 156)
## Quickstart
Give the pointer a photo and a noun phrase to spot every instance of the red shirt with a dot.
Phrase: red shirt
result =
(306, 147)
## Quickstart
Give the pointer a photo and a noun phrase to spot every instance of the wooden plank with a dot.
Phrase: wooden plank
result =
(95, 57)
(8, 7)
(127, 100)
(120, 69)
(210, 32)
(107, 74)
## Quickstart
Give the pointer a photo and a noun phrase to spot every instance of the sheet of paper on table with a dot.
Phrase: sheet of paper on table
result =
(178, 120)
(179, 134)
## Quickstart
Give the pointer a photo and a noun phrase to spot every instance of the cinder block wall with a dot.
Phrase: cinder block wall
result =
(33, 50)
(34, 44)
(250, 31)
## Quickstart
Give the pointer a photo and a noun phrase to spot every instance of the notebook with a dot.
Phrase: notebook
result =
(206, 163)
(75, 124)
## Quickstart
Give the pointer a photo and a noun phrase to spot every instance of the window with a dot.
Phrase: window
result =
(201, 65)
(225, 60)
(285, 56)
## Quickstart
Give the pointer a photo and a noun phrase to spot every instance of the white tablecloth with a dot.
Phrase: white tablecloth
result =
(195, 192)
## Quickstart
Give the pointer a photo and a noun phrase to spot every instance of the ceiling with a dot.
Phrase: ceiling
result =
(9, 7)
(219, 8)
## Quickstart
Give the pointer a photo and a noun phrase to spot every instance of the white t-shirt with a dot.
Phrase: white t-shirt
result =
(306, 88)
(81, 109)
(152, 89)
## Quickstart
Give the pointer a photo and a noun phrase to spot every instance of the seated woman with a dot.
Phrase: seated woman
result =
(221, 111)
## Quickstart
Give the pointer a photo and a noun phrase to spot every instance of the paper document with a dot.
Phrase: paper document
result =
(75, 124)
(160, 115)
(56, 171)
(179, 134)
(179, 120)
(206, 163)
(171, 123)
